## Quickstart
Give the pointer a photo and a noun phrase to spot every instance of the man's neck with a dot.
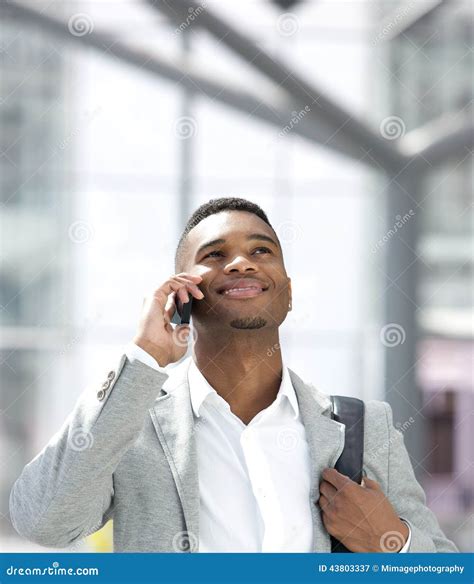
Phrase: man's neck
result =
(245, 370)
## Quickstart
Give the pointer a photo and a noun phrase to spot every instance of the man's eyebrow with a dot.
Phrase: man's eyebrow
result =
(259, 236)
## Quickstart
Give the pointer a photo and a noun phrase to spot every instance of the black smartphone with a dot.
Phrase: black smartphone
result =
(182, 313)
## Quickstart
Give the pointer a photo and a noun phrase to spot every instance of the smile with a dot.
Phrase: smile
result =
(242, 292)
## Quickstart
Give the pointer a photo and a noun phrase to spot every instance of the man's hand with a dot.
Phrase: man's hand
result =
(155, 333)
(360, 516)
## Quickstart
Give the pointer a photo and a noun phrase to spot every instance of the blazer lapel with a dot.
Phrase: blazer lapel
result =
(173, 418)
(325, 439)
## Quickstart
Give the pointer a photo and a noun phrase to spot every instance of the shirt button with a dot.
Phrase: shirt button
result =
(100, 394)
(106, 385)
(111, 375)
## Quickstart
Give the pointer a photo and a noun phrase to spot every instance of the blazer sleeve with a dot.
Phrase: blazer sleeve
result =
(408, 497)
(67, 491)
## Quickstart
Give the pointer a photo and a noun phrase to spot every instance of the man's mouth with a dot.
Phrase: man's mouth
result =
(244, 288)
(247, 292)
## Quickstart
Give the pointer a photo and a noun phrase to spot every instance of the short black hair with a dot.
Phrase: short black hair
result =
(211, 208)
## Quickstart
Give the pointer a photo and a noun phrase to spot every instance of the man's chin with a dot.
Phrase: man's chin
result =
(248, 322)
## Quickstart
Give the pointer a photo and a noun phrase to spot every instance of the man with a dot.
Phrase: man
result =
(230, 451)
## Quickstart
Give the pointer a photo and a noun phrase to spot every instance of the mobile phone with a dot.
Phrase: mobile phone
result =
(182, 314)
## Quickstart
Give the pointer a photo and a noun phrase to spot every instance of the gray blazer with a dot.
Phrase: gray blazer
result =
(127, 452)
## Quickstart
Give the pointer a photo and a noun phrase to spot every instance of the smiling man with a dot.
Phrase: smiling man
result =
(228, 451)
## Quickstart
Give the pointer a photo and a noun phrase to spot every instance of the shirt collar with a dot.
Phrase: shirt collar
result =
(200, 389)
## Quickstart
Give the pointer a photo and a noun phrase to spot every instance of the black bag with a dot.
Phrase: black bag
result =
(350, 412)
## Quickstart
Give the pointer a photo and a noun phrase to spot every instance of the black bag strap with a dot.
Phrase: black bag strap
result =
(350, 412)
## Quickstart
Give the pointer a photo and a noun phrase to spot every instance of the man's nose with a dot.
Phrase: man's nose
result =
(240, 264)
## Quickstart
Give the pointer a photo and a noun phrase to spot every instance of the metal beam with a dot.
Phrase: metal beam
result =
(441, 140)
(447, 138)
(356, 134)
(400, 332)
(279, 112)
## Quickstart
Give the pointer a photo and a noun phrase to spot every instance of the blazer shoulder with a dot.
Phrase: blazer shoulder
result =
(378, 422)
(378, 439)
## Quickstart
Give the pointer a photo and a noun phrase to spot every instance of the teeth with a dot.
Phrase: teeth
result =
(233, 289)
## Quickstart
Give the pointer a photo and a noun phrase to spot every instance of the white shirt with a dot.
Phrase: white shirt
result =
(254, 479)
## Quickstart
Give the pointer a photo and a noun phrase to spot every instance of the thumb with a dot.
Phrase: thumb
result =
(370, 484)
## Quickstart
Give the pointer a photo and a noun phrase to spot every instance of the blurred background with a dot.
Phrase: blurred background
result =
(349, 122)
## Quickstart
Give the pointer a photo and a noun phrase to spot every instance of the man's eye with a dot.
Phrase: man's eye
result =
(209, 254)
(219, 252)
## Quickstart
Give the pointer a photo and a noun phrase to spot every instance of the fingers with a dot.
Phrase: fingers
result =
(191, 285)
(170, 308)
(338, 480)
(324, 502)
(182, 285)
(328, 490)
(371, 484)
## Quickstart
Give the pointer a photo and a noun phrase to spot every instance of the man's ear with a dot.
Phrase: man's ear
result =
(290, 293)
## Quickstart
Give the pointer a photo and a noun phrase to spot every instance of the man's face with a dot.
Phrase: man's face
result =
(244, 280)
